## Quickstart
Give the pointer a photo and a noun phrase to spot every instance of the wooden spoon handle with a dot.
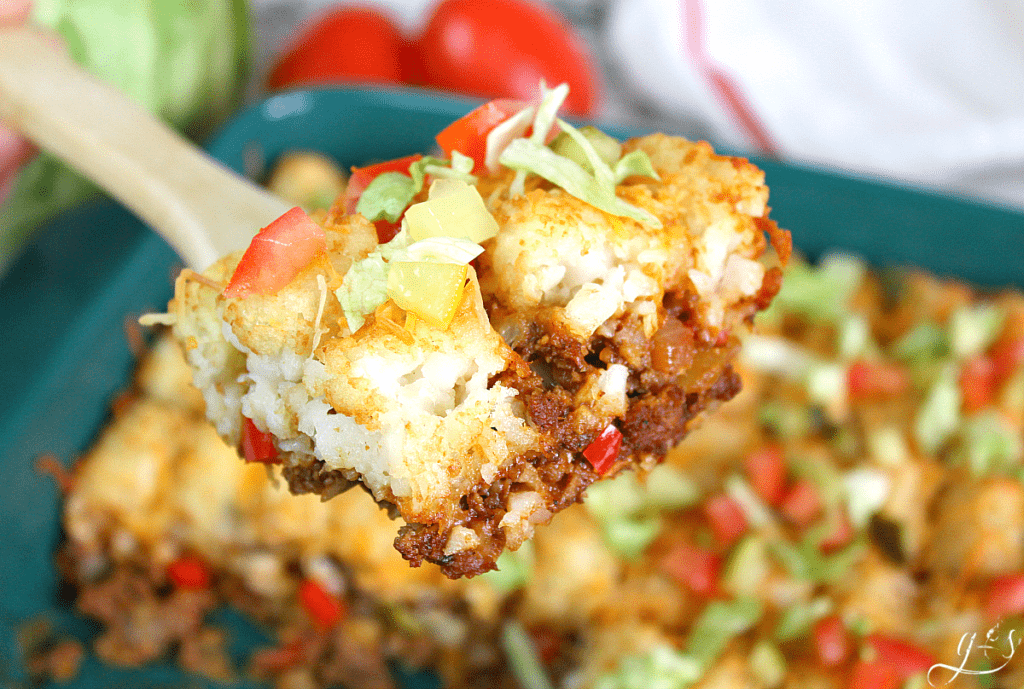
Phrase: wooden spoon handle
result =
(200, 207)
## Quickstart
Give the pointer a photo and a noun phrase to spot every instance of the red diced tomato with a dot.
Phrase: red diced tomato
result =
(325, 609)
(603, 452)
(873, 675)
(801, 504)
(257, 446)
(872, 379)
(189, 572)
(978, 383)
(1007, 355)
(362, 176)
(468, 134)
(344, 44)
(726, 518)
(1005, 597)
(695, 568)
(840, 536)
(277, 254)
(831, 641)
(903, 657)
(766, 471)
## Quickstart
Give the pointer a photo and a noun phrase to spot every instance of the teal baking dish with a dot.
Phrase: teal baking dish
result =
(64, 303)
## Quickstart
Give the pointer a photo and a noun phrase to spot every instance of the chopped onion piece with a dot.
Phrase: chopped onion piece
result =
(431, 291)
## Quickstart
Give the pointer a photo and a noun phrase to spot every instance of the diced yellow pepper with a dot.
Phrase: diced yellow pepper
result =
(431, 291)
(453, 209)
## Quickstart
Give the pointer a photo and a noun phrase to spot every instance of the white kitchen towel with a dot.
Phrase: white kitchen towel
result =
(931, 93)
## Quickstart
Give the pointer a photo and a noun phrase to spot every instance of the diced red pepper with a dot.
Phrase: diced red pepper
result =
(726, 518)
(604, 450)
(872, 379)
(766, 471)
(873, 675)
(905, 658)
(1005, 597)
(978, 383)
(189, 572)
(257, 446)
(362, 176)
(276, 255)
(831, 641)
(468, 134)
(801, 504)
(325, 609)
(695, 568)
(840, 536)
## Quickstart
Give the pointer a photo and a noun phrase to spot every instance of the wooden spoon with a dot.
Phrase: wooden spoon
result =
(200, 207)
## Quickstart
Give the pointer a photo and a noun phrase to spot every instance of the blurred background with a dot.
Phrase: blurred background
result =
(896, 90)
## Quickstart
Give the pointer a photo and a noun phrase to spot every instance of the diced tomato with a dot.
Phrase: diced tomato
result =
(871, 379)
(468, 134)
(978, 383)
(801, 504)
(903, 657)
(342, 45)
(603, 452)
(325, 609)
(840, 536)
(1007, 355)
(873, 675)
(1005, 597)
(695, 568)
(831, 641)
(257, 446)
(276, 255)
(189, 572)
(726, 518)
(362, 176)
(766, 471)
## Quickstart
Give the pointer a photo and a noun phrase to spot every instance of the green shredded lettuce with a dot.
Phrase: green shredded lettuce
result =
(806, 561)
(523, 659)
(719, 623)
(529, 156)
(798, 618)
(989, 444)
(387, 196)
(819, 293)
(939, 416)
(747, 566)
(663, 667)
(972, 328)
(636, 163)
(608, 148)
(515, 569)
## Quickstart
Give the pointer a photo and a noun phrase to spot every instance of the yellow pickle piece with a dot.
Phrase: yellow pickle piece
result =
(431, 291)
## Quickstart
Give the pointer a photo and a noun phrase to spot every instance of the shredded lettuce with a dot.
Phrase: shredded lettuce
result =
(719, 623)
(663, 667)
(939, 416)
(515, 569)
(806, 561)
(439, 250)
(636, 163)
(798, 618)
(500, 137)
(747, 567)
(363, 289)
(820, 293)
(387, 196)
(607, 147)
(522, 657)
(592, 161)
(989, 444)
(973, 328)
(529, 156)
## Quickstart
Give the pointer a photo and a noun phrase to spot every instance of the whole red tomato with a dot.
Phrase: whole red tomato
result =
(502, 49)
(342, 45)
